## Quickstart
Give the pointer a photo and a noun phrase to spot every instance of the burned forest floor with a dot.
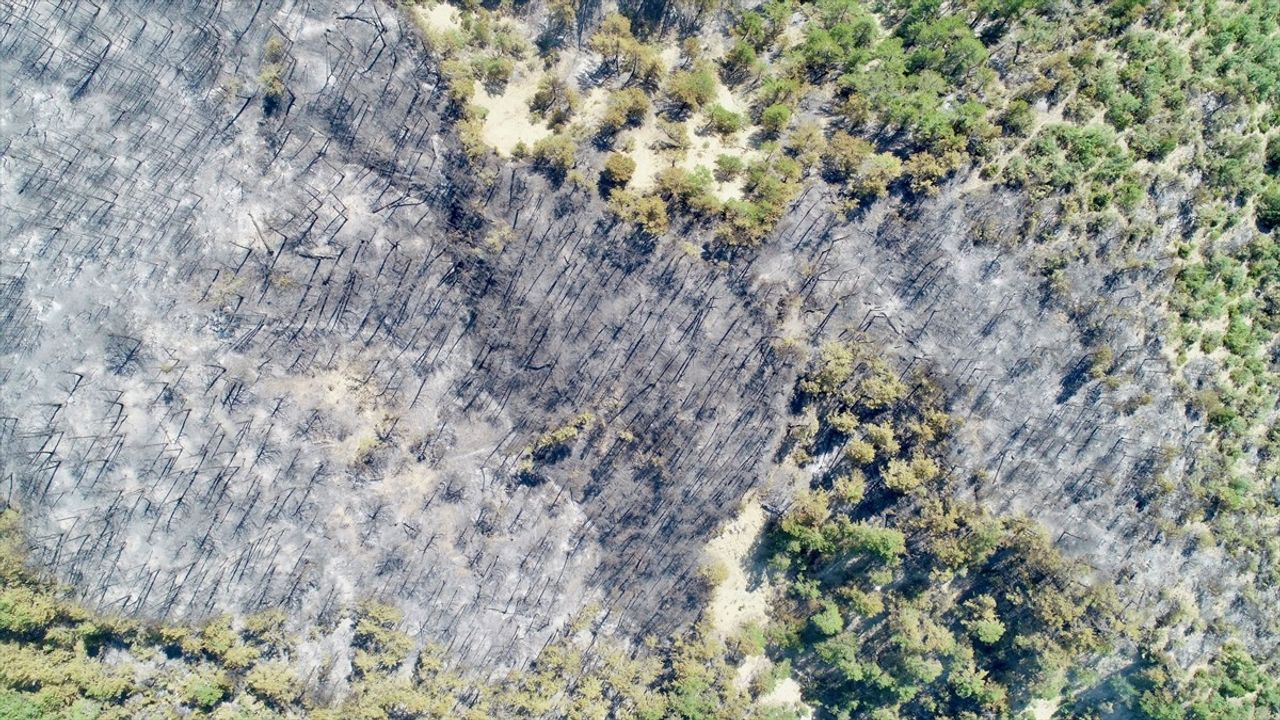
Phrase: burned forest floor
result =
(343, 374)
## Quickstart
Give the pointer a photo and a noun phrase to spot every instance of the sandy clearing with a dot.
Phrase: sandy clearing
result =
(727, 99)
(670, 55)
(441, 17)
(793, 33)
(593, 106)
(648, 160)
(735, 602)
(1042, 709)
(339, 394)
(786, 692)
(705, 150)
(507, 121)
(752, 665)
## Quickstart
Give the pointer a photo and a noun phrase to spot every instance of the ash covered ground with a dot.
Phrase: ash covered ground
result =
(256, 356)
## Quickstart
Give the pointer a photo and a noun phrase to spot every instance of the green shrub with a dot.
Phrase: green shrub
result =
(23, 611)
(828, 620)
(273, 51)
(648, 212)
(1018, 118)
(494, 72)
(728, 167)
(1269, 207)
(274, 682)
(1272, 157)
(554, 154)
(740, 60)
(618, 169)
(691, 89)
(624, 108)
(775, 118)
(722, 121)
(555, 100)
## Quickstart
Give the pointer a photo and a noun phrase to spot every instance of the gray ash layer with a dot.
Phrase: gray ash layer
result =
(249, 362)
(252, 359)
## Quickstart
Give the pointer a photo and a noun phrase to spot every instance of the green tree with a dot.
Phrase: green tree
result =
(24, 611)
(648, 212)
(205, 689)
(555, 155)
(898, 475)
(884, 543)
(1269, 207)
(740, 61)
(946, 45)
(774, 118)
(728, 167)
(613, 38)
(624, 108)
(860, 452)
(723, 121)
(1272, 158)
(835, 366)
(493, 71)
(691, 89)
(982, 621)
(379, 643)
(274, 682)
(555, 100)
(618, 169)
(845, 155)
(828, 620)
